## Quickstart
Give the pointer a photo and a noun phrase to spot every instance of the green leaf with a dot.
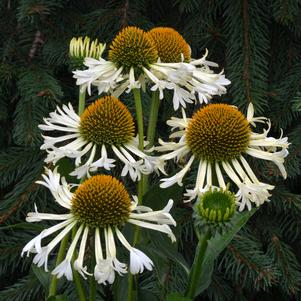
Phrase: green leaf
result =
(162, 246)
(42, 276)
(157, 197)
(217, 244)
(177, 297)
(146, 295)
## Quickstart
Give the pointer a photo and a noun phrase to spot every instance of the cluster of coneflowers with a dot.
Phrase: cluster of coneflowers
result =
(102, 136)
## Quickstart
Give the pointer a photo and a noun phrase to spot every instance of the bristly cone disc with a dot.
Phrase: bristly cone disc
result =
(218, 132)
(101, 201)
(107, 121)
(171, 46)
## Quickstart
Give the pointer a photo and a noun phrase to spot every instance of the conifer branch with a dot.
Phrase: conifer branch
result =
(247, 56)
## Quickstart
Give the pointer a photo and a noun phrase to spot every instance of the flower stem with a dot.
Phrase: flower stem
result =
(151, 129)
(195, 273)
(153, 118)
(76, 277)
(81, 100)
(92, 288)
(77, 281)
(59, 259)
(139, 116)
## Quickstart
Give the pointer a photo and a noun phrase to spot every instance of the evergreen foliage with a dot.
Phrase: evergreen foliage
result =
(256, 42)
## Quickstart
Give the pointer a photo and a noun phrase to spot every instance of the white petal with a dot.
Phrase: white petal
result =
(139, 261)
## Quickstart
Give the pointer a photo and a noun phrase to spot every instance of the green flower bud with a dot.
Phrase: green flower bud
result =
(80, 48)
(216, 205)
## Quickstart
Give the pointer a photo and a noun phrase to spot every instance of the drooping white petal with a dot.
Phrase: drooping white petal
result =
(42, 257)
(161, 216)
(161, 228)
(64, 268)
(139, 261)
(104, 271)
(79, 262)
(104, 161)
(34, 245)
(177, 178)
(58, 187)
(276, 157)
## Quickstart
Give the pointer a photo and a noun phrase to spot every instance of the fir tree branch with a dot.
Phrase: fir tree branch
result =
(247, 54)
(21, 199)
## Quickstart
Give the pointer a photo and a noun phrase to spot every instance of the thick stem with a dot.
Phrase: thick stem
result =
(59, 259)
(153, 118)
(81, 100)
(151, 130)
(139, 117)
(195, 273)
(92, 288)
(77, 281)
(92, 281)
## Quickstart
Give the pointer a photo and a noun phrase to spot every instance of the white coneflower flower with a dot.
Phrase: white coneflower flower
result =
(218, 136)
(100, 206)
(105, 124)
(160, 57)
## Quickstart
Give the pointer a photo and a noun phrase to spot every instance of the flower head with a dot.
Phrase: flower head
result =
(99, 207)
(132, 48)
(218, 132)
(171, 46)
(107, 121)
(101, 201)
(218, 136)
(105, 125)
(159, 58)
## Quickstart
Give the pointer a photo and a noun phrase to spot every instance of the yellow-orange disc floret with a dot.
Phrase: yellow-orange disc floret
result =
(107, 121)
(133, 47)
(170, 45)
(101, 201)
(218, 132)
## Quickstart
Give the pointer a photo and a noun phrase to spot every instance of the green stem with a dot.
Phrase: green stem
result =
(59, 259)
(92, 288)
(139, 117)
(77, 281)
(151, 130)
(81, 100)
(153, 118)
(195, 273)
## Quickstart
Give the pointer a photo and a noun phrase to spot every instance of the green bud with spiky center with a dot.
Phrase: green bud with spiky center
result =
(216, 206)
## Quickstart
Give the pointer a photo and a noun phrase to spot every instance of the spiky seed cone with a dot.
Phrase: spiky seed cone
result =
(218, 132)
(133, 47)
(107, 121)
(170, 45)
(101, 201)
